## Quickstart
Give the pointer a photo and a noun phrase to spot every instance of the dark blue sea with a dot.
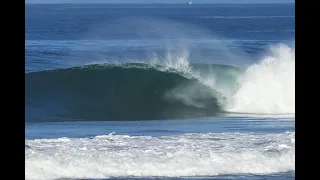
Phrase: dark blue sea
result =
(160, 91)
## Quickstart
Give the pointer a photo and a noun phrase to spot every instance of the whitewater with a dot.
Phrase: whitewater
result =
(165, 156)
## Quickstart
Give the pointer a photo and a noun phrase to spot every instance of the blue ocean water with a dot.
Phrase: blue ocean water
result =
(160, 91)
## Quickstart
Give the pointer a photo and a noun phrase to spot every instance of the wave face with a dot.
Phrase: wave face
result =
(165, 156)
(118, 92)
(171, 89)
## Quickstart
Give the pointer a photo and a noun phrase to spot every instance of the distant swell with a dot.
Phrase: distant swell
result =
(114, 92)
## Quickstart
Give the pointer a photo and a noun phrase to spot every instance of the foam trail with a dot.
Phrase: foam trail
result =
(269, 86)
(166, 156)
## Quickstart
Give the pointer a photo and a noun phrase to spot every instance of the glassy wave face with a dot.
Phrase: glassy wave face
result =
(168, 89)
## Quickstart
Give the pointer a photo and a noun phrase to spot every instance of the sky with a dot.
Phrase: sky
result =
(157, 1)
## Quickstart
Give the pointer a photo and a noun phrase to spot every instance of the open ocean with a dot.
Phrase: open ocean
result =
(160, 91)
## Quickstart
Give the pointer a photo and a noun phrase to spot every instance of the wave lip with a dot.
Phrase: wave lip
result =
(166, 156)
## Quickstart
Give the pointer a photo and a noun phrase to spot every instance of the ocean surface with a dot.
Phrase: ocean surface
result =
(160, 91)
